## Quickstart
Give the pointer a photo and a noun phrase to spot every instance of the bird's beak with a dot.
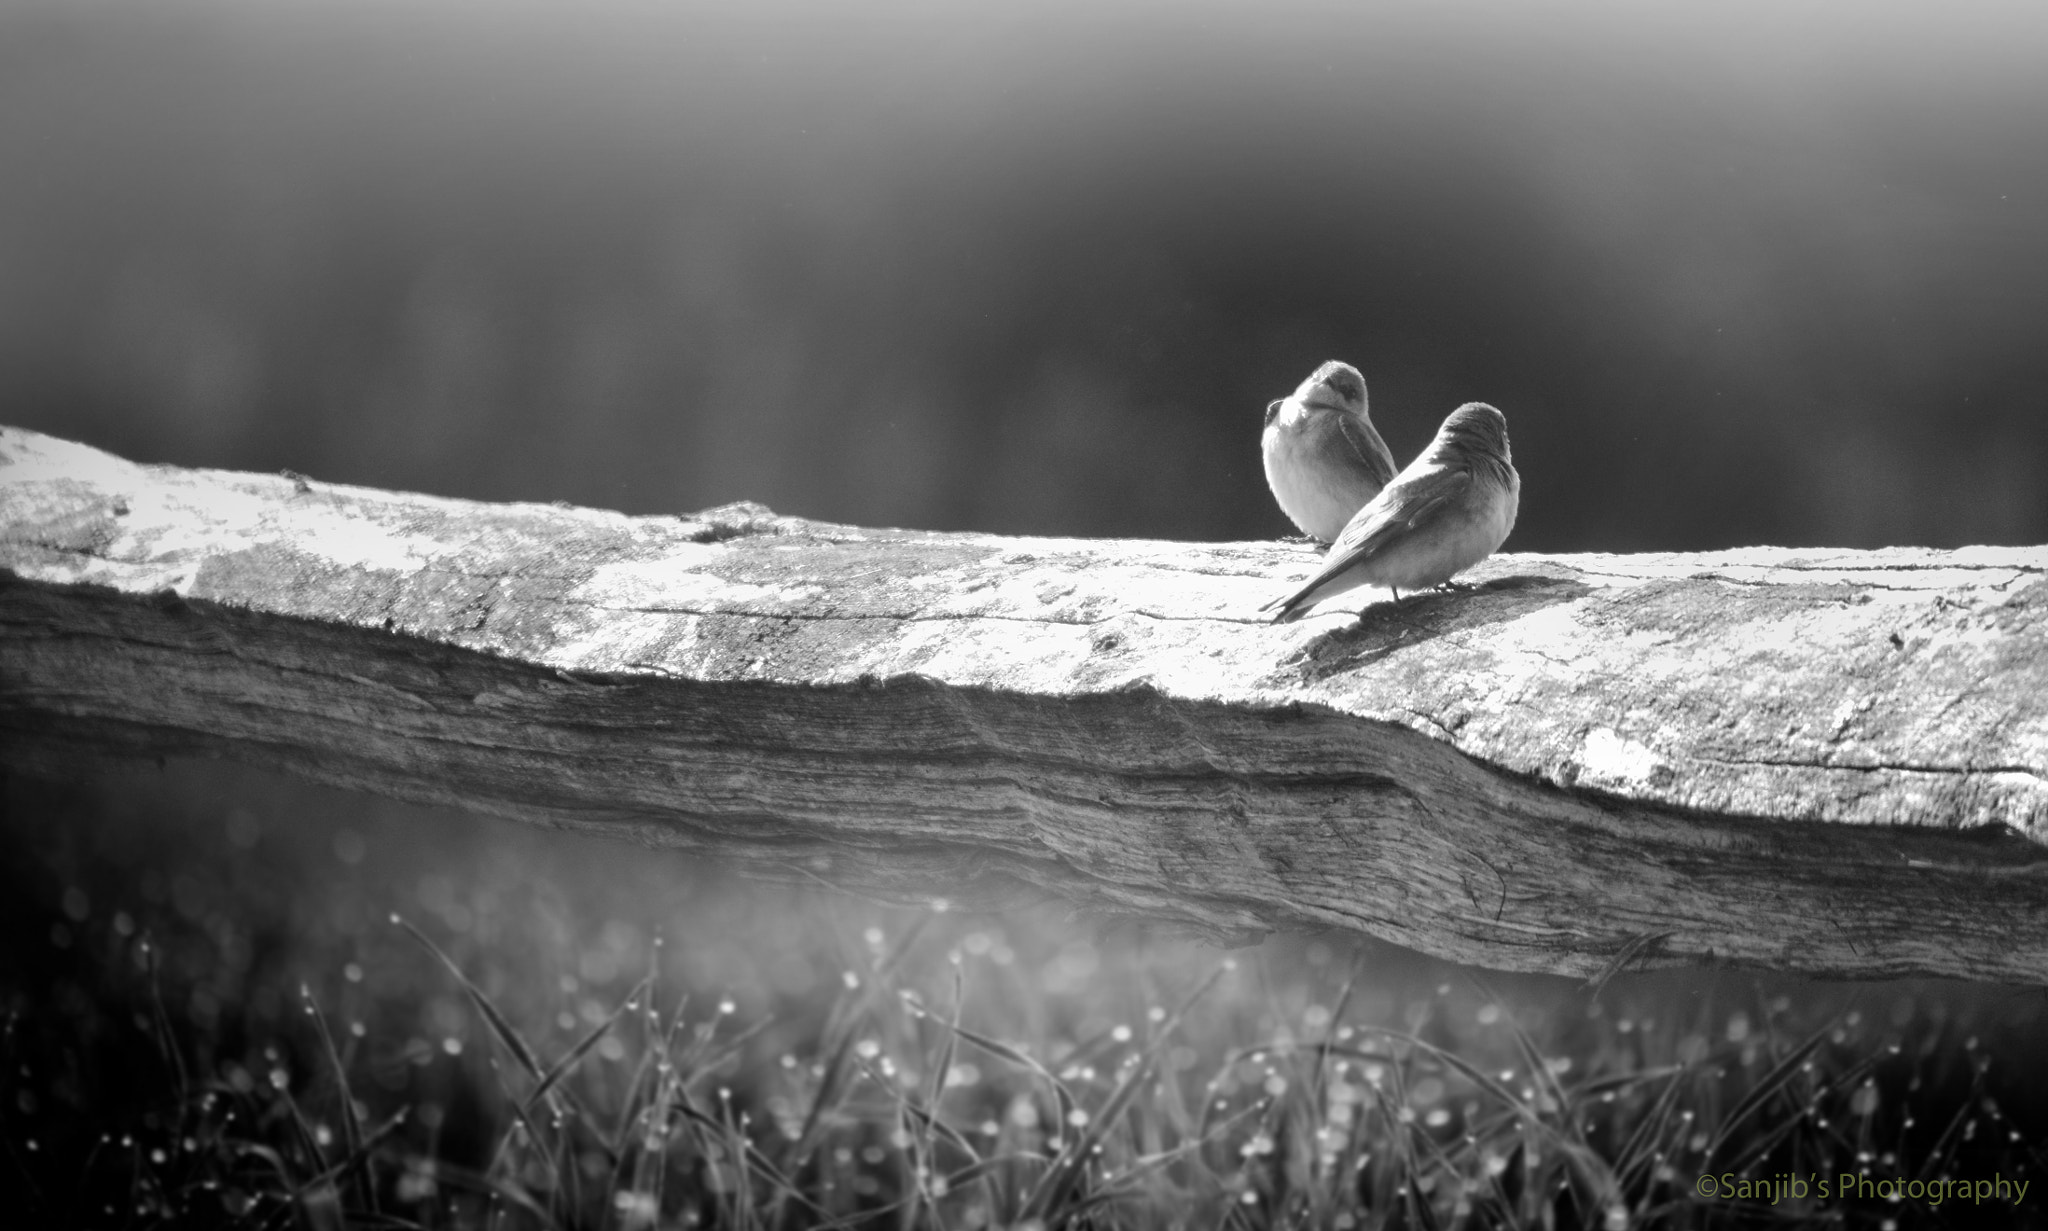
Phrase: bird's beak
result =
(1273, 408)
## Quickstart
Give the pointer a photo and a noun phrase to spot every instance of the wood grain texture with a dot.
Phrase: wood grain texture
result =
(1813, 760)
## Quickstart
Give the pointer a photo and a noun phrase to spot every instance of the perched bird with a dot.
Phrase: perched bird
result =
(1323, 458)
(1451, 508)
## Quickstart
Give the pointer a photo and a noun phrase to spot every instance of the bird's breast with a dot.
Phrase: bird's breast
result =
(1315, 478)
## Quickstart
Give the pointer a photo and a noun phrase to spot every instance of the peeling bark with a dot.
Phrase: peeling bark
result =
(1813, 760)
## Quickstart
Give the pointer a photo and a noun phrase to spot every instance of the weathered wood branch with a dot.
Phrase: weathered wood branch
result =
(1824, 761)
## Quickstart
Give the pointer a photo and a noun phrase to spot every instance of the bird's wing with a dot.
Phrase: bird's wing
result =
(1372, 452)
(1399, 507)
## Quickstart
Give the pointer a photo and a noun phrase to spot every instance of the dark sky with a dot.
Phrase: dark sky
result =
(1735, 276)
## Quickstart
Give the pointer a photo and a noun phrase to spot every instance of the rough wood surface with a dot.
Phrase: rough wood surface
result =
(1814, 760)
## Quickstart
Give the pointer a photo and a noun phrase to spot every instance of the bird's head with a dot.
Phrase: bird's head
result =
(1334, 386)
(1475, 430)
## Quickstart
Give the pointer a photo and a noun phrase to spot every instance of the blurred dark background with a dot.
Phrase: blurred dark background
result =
(1735, 275)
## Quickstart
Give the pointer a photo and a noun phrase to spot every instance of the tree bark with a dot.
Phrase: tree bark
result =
(1812, 760)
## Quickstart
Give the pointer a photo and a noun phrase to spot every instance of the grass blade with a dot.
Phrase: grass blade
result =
(511, 1038)
(1766, 1088)
(562, 1067)
(1622, 957)
(351, 1129)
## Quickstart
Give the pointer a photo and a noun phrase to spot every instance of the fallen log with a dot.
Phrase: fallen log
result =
(1825, 761)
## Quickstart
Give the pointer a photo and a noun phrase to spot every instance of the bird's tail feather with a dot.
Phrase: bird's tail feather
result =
(1289, 608)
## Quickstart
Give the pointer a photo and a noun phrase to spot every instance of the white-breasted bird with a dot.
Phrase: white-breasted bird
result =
(1324, 460)
(1451, 508)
